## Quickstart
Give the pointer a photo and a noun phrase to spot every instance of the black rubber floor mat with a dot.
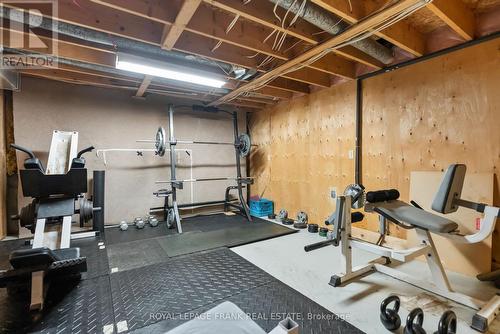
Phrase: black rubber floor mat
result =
(187, 243)
(82, 307)
(181, 284)
(200, 223)
(135, 254)
(6, 247)
(97, 258)
(267, 305)
(160, 297)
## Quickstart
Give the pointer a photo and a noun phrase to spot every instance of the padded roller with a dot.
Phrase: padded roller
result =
(382, 195)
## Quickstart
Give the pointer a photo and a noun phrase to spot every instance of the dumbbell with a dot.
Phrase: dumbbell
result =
(123, 225)
(153, 221)
(139, 223)
(389, 316)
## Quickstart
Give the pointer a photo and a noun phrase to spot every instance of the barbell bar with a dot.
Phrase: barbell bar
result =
(243, 143)
(209, 179)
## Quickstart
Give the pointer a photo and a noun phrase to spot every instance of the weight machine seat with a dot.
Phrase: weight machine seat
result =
(409, 214)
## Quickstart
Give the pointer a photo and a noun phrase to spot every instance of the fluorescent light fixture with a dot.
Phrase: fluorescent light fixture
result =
(163, 70)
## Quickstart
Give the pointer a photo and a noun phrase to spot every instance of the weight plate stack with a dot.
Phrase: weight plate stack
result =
(323, 231)
(27, 216)
(86, 210)
(313, 228)
(287, 221)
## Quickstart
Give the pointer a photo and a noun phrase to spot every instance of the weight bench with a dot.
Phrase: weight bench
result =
(425, 224)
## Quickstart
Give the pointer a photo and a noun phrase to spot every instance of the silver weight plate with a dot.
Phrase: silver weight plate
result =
(283, 214)
(353, 190)
(170, 218)
(244, 144)
(161, 142)
(302, 217)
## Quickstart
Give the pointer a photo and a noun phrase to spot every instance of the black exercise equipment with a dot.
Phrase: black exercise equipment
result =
(313, 228)
(414, 322)
(382, 195)
(389, 316)
(55, 199)
(242, 146)
(447, 323)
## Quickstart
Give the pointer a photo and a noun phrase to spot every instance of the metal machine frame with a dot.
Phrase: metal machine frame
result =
(55, 191)
(342, 236)
(178, 184)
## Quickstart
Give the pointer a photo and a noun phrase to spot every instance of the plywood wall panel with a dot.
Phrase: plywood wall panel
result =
(431, 114)
(304, 151)
(419, 118)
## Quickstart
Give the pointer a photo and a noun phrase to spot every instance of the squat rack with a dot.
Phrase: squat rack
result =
(178, 184)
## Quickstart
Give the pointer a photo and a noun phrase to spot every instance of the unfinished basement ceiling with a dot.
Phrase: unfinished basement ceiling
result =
(241, 41)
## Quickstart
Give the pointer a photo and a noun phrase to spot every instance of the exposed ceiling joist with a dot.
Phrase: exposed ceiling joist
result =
(261, 12)
(456, 15)
(400, 34)
(144, 86)
(171, 33)
(356, 29)
(149, 32)
(220, 28)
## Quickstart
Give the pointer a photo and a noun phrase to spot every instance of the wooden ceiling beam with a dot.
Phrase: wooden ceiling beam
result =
(76, 77)
(310, 76)
(262, 12)
(352, 32)
(400, 34)
(257, 11)
(456, 15)
(172, 32)
(148, 31)
(214, 25)
(144, 85)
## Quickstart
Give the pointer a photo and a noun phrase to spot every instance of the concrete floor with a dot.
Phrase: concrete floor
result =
(359, 302)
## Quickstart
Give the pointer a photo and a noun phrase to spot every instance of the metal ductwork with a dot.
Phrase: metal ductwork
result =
(120, 43)
(334, 25)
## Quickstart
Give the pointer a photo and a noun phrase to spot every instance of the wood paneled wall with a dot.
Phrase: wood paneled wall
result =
(418, 118)
(3, 169)
(303, 150)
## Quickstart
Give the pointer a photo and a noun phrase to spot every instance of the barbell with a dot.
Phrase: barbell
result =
(243, 144)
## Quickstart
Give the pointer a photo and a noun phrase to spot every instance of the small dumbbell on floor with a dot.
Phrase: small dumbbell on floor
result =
(139, 223)
(153, 221)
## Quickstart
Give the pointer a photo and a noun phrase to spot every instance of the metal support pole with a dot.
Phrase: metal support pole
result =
(98, 200)
(238, 168)
(172, 166)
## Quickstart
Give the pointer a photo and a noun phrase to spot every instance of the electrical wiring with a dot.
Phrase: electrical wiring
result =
(360, 36)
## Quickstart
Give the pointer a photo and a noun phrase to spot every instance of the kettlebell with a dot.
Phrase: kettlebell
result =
(414, 322)
(389, 316)
(447, 323)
